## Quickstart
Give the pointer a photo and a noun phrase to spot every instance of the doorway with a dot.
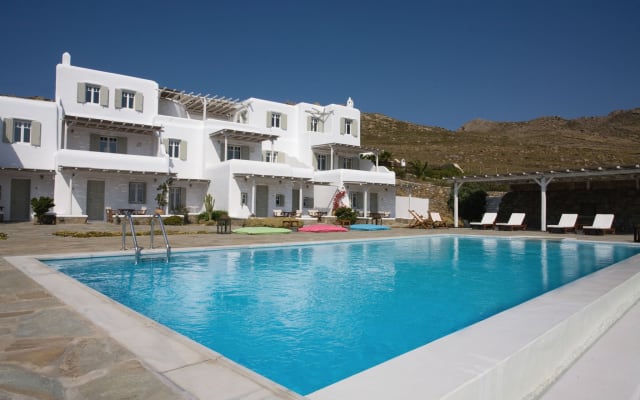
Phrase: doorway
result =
(95, 200)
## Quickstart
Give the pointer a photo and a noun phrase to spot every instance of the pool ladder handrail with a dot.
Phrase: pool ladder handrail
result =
(136, 246)
(163, 230)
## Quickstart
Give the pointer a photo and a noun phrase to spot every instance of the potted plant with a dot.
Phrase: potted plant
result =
(41, 206)
(161, 197)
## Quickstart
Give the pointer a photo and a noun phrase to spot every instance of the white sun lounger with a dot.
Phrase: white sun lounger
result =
(488, 220)
(601, 223)
(516, 221)
(567, 223)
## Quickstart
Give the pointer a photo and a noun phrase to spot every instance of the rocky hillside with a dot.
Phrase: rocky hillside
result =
(487, 147)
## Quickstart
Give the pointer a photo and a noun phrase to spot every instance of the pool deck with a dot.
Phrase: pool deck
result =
(64, 342)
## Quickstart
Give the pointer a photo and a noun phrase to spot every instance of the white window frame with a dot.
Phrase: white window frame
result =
(234, 152)
(21, 131)
(321, 161)
(244, 198)
(271, 156)
(108, 144)
(128, 99)
(175, 198)
(280, 199)
(137, 192)
(348, 125)
(314, 124)
(275, 119)
(92, 94)
(174, 148)
(347, 163)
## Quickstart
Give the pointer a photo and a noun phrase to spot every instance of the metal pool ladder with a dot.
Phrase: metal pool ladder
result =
(137, 248)
(164, 233)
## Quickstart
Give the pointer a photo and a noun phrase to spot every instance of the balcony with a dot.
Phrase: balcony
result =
(238, 168)
(99, 161)
(382, 177)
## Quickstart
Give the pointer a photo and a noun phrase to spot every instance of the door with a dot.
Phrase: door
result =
(373, 202)
(295, 200)
(262, 201)
(20, 200)
(95, 200)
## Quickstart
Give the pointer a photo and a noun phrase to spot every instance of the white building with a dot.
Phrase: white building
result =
(109, 140)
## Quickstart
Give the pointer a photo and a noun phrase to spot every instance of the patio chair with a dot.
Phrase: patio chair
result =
(277, 213)
(601, 223)
(567, 223)
(418, 221)
(516, 221)
(488, 221)
(436, 220)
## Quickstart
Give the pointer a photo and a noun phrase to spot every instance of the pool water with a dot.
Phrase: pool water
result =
(307, 316)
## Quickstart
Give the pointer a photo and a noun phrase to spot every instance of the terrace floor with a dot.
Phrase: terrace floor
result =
(50, 349)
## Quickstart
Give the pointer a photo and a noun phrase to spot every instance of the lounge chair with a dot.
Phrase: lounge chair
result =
(601, 223)
(418, 221)
(488, 221)
(567, 223)
(436, 220)
(516, 221)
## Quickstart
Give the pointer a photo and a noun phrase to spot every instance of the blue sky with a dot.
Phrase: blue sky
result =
(438, 63)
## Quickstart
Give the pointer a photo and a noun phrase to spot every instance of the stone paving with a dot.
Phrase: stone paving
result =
(49, 351)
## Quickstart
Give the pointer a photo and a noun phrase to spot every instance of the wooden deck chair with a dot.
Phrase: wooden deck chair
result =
(488, 221)
(601, 223)
(418, 221)
(567, 223)
(436, 220)
(516, 221)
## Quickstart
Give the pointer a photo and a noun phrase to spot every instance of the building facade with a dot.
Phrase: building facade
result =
(108, 141)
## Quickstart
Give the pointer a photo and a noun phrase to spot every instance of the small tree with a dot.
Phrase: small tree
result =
(209, 201)
(41, 206)
(163, 191)
(472, 200)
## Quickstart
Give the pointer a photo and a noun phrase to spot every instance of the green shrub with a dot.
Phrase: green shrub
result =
(41, 206)
(346, 214)
(173, 220)
(472, 201)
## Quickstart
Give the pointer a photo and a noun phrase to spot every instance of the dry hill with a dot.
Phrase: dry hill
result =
(487, 147)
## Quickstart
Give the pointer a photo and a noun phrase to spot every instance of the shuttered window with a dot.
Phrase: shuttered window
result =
(22, 131)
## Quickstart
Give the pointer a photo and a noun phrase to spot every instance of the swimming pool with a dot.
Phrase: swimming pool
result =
(309, 315)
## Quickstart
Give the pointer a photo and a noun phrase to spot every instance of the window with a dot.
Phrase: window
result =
(177, 199)
(234, 152)
(347, 126)
(244, 198)
(92, 94)
(279, 200)
(347, 163)
(321, 160)
(174, 148)
(271, 156)
(356, 200)
(315, 124)
(108, 144)
(137, 192)
(21, 131)
(275, 120)
(127, 99)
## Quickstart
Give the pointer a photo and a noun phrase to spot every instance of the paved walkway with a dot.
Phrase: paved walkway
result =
(49, 351)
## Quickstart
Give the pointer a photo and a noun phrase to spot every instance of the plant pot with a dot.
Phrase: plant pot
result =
(159, 211)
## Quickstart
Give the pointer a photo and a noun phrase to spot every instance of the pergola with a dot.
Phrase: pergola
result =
(202, 104)
(333, 148)
(544, 178)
